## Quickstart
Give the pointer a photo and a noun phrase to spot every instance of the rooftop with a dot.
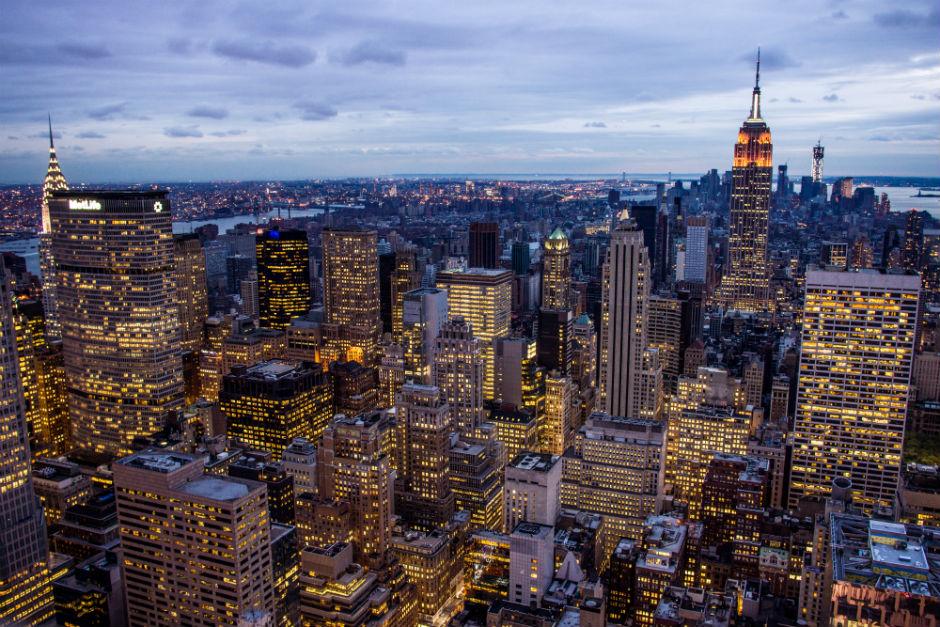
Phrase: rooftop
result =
(534, 530)
(884, 555)
(215, 488)
(539, 462)
(157, 461)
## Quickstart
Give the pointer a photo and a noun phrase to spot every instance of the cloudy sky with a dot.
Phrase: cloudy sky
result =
(220, 90)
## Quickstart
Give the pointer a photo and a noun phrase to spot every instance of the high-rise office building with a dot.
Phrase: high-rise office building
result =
(283, 260)
(196, 547)
(25, 589)
(629, 454)
(484, 299)
(484, 245)
(520, 381)
(746, 285)
(424, 310)
(404, 279)
(554, 339)
(476, 465)
(556, 271)
(458, 372)
(624, 320)
(584, 352)
(269, 404)
(521, 257)
(351, 289)
(54, 181)
(818, 154)
(423, 492)
(117, 308)
(191, 289)
(354, 467)
(557, 421)
(695, 268)
(854, 383)
(664, 320)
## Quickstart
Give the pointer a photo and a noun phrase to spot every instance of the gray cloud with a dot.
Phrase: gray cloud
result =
(370, 51)
(831, 98)
(315, 111)
(180, 45)
(183, 131)
(206, 111)
(106, 112)
(771, 59)
(903, 18)
(840, 15)
(794, 100)
(595, 125)
(45, 135)
(230, 133)
(82, 50)
(90, 135)
(264, 52)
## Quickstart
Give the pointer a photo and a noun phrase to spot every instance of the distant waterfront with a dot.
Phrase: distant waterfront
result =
(902, 199)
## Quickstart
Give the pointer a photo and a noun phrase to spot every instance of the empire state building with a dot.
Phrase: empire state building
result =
(746, 286)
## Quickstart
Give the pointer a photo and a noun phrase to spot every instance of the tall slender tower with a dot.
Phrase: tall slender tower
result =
(351, 289)
(191, 290)
(283, 276)
(626, 289)
(458, 372)
(556, 271)
(746, 286)
(54, 181)
(818, 152)
(854, 383)
(25, 594)
(115, 285)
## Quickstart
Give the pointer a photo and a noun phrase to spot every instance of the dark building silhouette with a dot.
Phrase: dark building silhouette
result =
(484, 245)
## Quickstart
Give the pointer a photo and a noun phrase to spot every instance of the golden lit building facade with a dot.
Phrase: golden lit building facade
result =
(353, 465)
(423, 492)
(270, 404)
(746, 285)
(404, 279)
(615, 469)
(25, 590)
(351, 290)
(195, 547)
(556, 424)
(854, 383)
(118, 313)
(191, 289)
(556, 271)
(458, 372)
(283, 258)
(483, 298)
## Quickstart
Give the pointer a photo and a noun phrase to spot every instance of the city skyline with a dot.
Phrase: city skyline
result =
(308, 92)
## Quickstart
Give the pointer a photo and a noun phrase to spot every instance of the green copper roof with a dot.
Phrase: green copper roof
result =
(557, 234)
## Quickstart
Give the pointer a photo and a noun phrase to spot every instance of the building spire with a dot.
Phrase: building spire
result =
(755, 97)
(51, 145)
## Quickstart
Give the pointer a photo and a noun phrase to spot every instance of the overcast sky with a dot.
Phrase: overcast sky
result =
(220, 90)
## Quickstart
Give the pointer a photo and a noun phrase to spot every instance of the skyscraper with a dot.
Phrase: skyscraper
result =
(191, 289)
(351, 290)
(117, 307)
(818, 154)
(623, 320)
(854, 383)
(25, 592)
(423, 492)
(696, 249)
(352, 466)
(484, 245)
(556, 271)
(54, 181)
(404, 279)
(196, 547)
(424, 310)
(484, 299)
(458, 372)
(746, 284)
(283, 258)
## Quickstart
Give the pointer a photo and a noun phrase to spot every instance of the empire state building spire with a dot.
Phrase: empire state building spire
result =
(54, 181)
(755, 97)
